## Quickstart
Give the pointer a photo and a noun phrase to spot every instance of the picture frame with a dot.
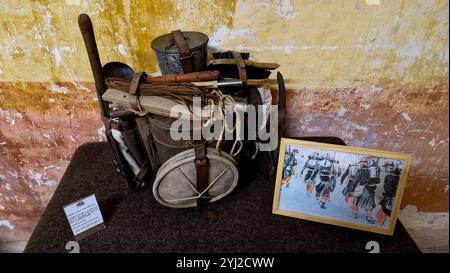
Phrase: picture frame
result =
(346, 186)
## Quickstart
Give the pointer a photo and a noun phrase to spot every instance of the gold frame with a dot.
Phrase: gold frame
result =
(338, 148)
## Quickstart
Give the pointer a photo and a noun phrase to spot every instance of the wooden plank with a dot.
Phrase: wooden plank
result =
(152, 104)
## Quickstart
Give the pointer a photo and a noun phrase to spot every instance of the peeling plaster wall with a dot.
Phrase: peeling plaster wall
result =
(372, 72)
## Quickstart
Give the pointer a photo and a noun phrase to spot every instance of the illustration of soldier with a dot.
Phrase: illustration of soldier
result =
(327, 177)
(391, 180)
(337, 173)
(312, 168)
(366, 180)
(350, 174)
(289, 167)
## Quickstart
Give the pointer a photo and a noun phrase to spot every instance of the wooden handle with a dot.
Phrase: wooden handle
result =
(185, 78)
(87, 31)
(270, 66)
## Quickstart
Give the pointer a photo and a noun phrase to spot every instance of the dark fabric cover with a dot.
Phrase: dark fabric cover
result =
(135, 222)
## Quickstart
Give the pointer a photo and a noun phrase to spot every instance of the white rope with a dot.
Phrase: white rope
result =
(139, 113)
(224, 100)
(199, 195)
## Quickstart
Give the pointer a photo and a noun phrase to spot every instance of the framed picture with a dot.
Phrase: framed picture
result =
(339, 185)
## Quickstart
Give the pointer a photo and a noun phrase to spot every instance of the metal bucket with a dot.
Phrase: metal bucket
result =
(168, 54)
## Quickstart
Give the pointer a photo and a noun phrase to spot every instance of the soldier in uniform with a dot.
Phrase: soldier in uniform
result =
(289, 167)
(366, 180)
(337, 172)
(391, 180)
(350, 174)
(327, 173)
(312, 168)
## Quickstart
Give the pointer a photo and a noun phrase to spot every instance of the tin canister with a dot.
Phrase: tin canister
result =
(168, 54)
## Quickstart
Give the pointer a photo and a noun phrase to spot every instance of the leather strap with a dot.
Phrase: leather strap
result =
(134, 181)
(119, 126)
(183, 49)
(241, 67)
(134, 91)
(116, 125)
(201, 167)
(139, 178)
(118, 160)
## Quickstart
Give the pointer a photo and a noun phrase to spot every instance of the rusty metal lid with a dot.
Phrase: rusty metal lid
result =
(166, 43)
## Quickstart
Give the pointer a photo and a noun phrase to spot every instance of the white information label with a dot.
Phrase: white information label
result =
(83, 214)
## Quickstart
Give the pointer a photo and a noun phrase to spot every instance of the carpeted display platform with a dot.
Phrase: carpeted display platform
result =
(135, 222)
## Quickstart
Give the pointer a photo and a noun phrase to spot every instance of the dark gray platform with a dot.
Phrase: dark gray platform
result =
(135, 222)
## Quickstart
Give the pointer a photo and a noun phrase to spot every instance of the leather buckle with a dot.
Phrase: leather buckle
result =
(186, 57)
(201, 162)
(116, 125)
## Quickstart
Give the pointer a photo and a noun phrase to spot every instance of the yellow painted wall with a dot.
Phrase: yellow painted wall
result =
(318, 43)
